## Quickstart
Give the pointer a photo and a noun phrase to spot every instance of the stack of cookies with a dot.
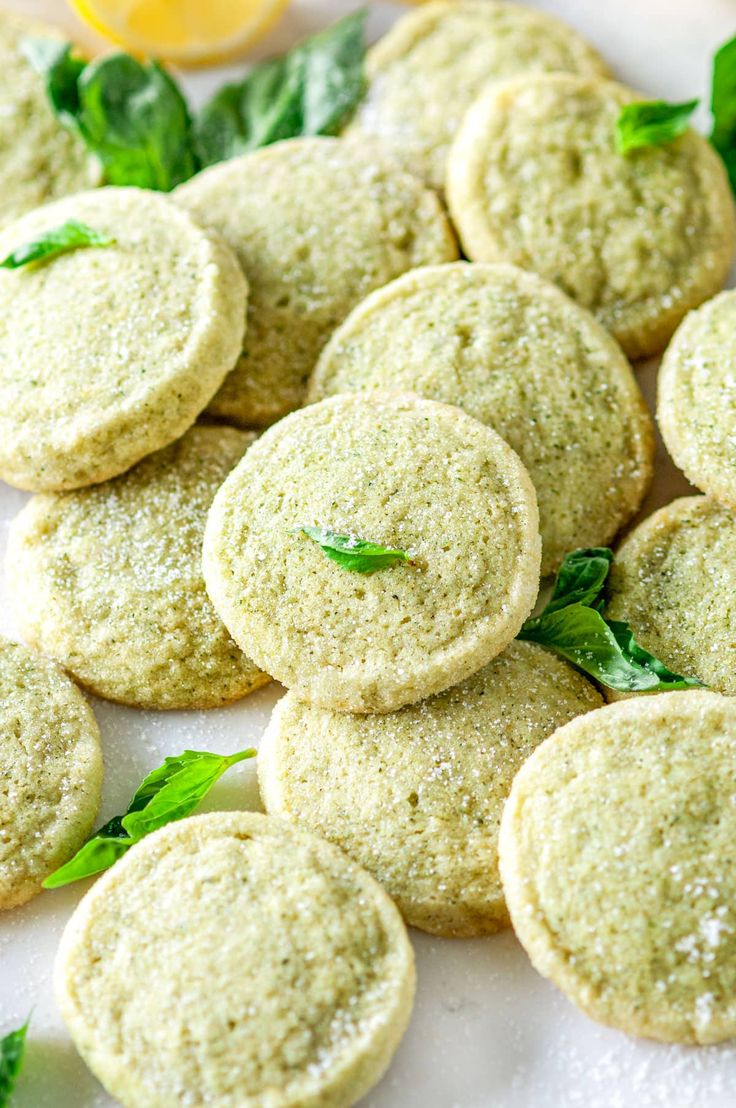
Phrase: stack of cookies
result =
(277, 429)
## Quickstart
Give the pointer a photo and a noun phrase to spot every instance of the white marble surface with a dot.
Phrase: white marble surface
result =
(486, 1029)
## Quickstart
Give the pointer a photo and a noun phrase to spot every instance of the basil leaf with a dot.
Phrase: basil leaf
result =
(581, 577)
(12, 1049)
(58, 240)
(625, 638)
(652, 123)
(573, 626)
(175, 790)
(308, 91)
(98, 854)
(94, 857)
(134, 117)
(130, 114)
(353, 553)
(582, 636)
(254, 113)
(168, 793)
(723, 106)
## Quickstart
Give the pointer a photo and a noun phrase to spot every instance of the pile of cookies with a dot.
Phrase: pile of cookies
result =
(281, 371)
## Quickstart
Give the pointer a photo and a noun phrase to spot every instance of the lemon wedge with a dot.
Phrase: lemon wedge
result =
(186, 32)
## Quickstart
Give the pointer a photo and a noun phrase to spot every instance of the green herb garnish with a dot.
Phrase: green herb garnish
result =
(353, 553)
(723, 106)
(130, 114)
(308, 91)
(168, 793)
(573, 626)
(12, 1049)
(61, 67)
(57, 240)
(651, 123)
(655, 122)
(133, 115)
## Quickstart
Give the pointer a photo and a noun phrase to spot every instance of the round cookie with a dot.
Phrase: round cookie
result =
(516, 353)
(427, 71)
(51, 769)
(615, 845)
(108, 580)
(696, 403)
(404, 473)
(416, 796)
(109, 353)
(317, 224)
(535, 178)
(274, 970)
(674, 580)
(40, 159)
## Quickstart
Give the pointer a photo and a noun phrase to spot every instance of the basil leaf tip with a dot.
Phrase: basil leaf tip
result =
(170, 792)
(133, 116)
(70, 235)
(311, 90)
(652, 123)
(350, 552)
(12, 1051)
(61, 67)
(573, 626)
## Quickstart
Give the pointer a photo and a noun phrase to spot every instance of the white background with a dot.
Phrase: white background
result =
(486, 1029)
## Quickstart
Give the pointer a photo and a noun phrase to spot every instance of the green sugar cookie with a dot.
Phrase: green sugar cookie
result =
(674, 580)
(401, 472)
(513, 351)
(696, 407)
(535, 178)
(274, 972)
(317, 224)
(416, 796)
(616, 851)
(427, 71)
(109, 353)
(40, 160)
(108, 580)
(51, 771)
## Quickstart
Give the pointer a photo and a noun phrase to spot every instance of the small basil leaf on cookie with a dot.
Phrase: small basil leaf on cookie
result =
(624, 636)
(69, 235)
(12, 1049)
(350, 552)
(130, 114)
(308, 91)
(168, 793)
(651, 123)
(572, 625)
(723, 106)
